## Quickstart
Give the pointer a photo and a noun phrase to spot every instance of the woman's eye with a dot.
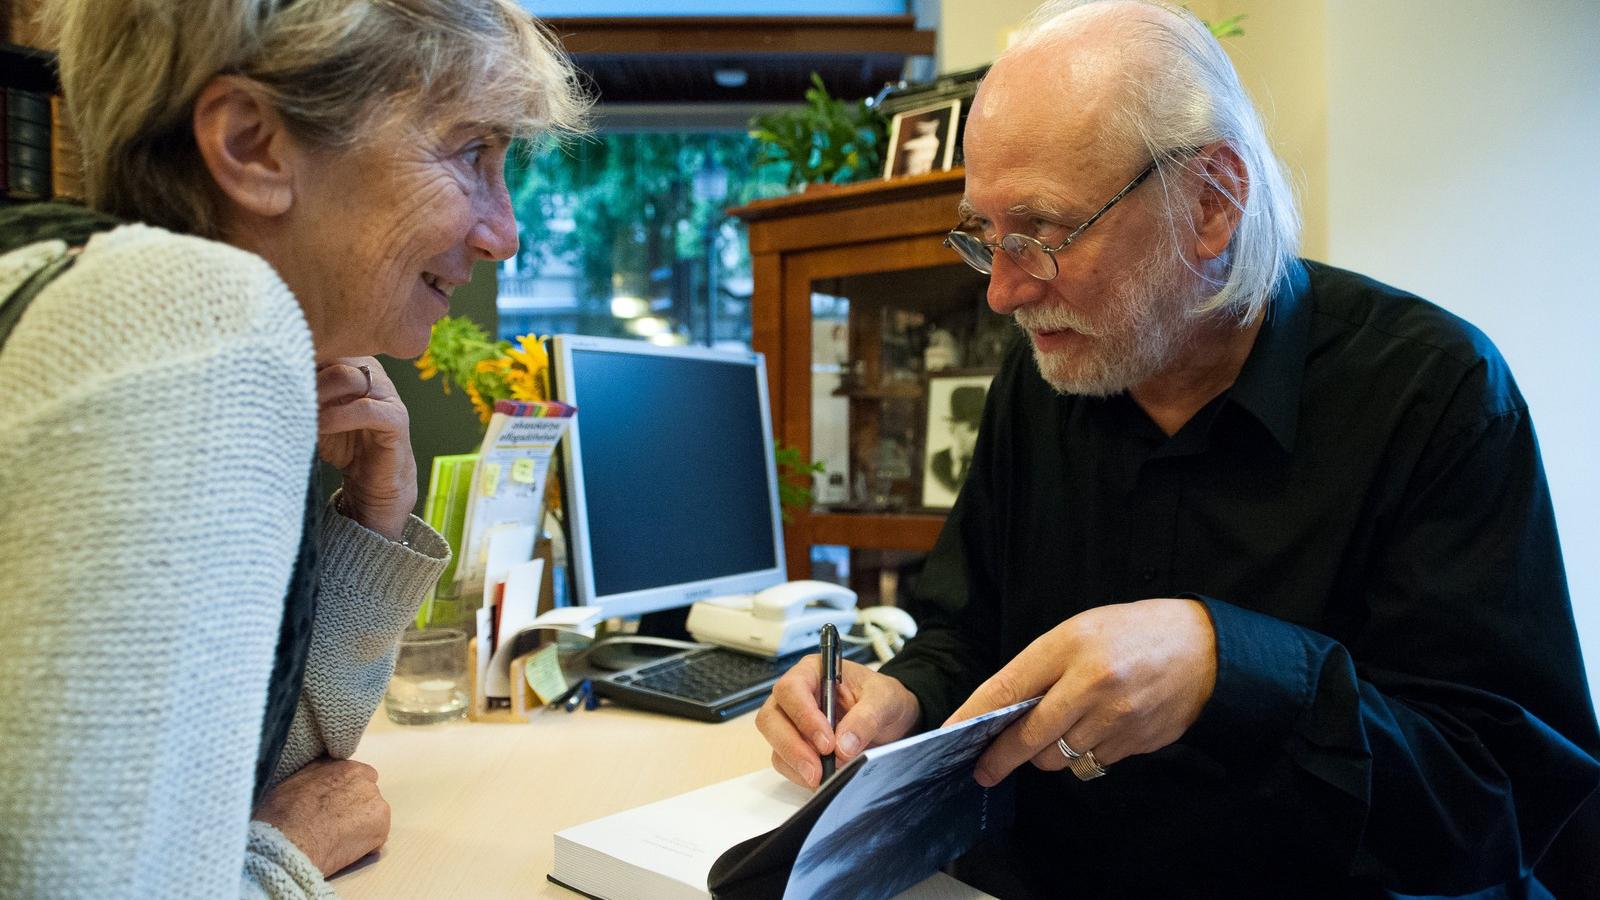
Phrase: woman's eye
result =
(473, 155)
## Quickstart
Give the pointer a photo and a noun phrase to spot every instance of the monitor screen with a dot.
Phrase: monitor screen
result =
(671, 483)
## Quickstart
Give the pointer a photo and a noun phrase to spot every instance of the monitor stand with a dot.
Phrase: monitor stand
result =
(666, 623)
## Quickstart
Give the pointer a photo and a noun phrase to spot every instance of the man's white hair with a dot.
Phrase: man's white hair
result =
(1182, 92)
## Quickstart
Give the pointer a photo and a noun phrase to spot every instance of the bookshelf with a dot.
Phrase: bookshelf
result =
(862, 313)
(39, 157)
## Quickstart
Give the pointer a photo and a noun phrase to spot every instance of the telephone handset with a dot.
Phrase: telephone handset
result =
(782, 619)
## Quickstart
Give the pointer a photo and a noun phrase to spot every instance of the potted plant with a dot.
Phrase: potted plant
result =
(827, 141)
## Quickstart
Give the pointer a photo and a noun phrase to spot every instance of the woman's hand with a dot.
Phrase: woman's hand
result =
(331, 810)
(365, 433)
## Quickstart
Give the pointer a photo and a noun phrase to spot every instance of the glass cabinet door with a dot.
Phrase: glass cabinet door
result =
(900, 365)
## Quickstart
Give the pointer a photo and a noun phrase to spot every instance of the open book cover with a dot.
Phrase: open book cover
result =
(880, 828)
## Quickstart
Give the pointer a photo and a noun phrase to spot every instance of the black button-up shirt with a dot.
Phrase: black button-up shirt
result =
(1400, 701)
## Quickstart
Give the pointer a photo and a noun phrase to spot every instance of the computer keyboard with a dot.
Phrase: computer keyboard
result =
(710, 685)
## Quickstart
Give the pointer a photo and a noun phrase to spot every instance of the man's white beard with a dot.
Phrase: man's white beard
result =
(1143, 330)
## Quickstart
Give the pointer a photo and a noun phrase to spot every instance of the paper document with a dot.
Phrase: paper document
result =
(508, 482)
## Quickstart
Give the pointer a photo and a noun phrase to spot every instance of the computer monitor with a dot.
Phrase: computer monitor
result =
(672, 488)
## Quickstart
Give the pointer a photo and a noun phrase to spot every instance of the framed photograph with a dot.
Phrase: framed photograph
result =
(955, 408)
(923, 140)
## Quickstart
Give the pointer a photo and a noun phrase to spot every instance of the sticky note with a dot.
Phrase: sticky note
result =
(544, 675)
(491, 479)
(522, 471)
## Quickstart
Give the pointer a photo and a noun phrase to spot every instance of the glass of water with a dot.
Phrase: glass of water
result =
(430, 677)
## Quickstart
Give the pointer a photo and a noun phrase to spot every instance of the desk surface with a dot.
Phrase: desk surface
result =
(475, 805)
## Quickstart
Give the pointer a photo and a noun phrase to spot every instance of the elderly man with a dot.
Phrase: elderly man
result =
(1272, 540)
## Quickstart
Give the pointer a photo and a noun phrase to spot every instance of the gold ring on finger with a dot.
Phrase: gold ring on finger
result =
(1086, 767)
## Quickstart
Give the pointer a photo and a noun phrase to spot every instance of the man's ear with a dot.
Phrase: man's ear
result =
(245, 146)
(1224, 186)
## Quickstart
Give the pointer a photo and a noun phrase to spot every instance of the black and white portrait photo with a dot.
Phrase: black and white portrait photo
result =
(955, 407)
(923, 140)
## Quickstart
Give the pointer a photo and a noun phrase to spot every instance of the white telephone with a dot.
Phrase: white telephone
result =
(779, 620)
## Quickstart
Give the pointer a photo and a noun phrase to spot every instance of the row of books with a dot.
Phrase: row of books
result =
(38, 147)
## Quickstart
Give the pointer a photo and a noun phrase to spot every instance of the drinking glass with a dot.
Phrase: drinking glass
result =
(430, 682)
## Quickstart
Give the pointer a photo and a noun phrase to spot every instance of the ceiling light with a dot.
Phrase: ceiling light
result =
(626, 307)
(648, 326)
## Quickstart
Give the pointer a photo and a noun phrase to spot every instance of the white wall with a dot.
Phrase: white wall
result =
(1282, 59)
(1464, 165)
(973, 32)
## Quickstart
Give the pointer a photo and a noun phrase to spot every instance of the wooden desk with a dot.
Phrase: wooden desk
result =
(475, 804)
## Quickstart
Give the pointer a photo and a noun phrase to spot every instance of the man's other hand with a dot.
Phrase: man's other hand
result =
(331, 810)
(1119, 680)
(877, 709)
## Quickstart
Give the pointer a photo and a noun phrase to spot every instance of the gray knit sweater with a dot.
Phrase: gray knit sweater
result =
(157, 408)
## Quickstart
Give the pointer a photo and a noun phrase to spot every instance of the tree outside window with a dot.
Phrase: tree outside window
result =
(623, 235)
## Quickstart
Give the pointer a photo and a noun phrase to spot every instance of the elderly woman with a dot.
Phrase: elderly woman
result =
(192, 647)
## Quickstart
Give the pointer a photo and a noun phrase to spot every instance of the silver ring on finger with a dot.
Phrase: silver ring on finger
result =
(1066, 749)
(1086, 767)
(366, 371)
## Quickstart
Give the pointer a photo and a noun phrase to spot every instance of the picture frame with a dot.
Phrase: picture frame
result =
(954, 411)
(922, 140)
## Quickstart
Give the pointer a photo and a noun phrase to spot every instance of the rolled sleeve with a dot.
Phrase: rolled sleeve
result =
(1264, 681)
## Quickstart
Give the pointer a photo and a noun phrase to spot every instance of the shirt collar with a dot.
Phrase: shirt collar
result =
(1268, 386)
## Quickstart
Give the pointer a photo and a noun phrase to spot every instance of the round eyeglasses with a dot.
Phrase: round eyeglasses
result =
(1028, 253)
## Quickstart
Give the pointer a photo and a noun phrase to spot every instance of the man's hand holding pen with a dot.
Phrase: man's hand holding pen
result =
(876, 709)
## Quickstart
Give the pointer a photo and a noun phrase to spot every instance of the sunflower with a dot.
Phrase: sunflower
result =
(460, 351)
(484, 409)
(427, 368)
(530, 372)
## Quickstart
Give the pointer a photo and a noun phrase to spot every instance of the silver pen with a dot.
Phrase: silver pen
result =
(830, 689)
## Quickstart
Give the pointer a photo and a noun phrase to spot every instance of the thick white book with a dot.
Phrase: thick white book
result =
(880, 828)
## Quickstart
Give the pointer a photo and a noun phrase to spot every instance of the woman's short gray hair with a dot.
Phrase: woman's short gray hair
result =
(337, 71)
(1181, 93)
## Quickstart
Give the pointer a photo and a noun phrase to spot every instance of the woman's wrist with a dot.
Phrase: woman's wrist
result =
(392, 526)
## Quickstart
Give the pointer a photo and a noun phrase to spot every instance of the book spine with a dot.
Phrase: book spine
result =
(27, 159)
(66, 164)
(5, 168)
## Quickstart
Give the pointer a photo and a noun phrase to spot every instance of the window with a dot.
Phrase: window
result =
(623, 234)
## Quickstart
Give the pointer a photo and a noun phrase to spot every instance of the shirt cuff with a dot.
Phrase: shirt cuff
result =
(1264, 683)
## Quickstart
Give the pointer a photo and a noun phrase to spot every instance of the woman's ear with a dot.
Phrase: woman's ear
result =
(245, 146)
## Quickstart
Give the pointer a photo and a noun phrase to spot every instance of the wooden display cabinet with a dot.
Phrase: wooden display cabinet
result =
(856, 303)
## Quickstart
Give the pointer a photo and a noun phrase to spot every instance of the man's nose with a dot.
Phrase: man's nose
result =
(1010, 288)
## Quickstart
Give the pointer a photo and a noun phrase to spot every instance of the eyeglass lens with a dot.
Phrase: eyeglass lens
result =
(1028, 254)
